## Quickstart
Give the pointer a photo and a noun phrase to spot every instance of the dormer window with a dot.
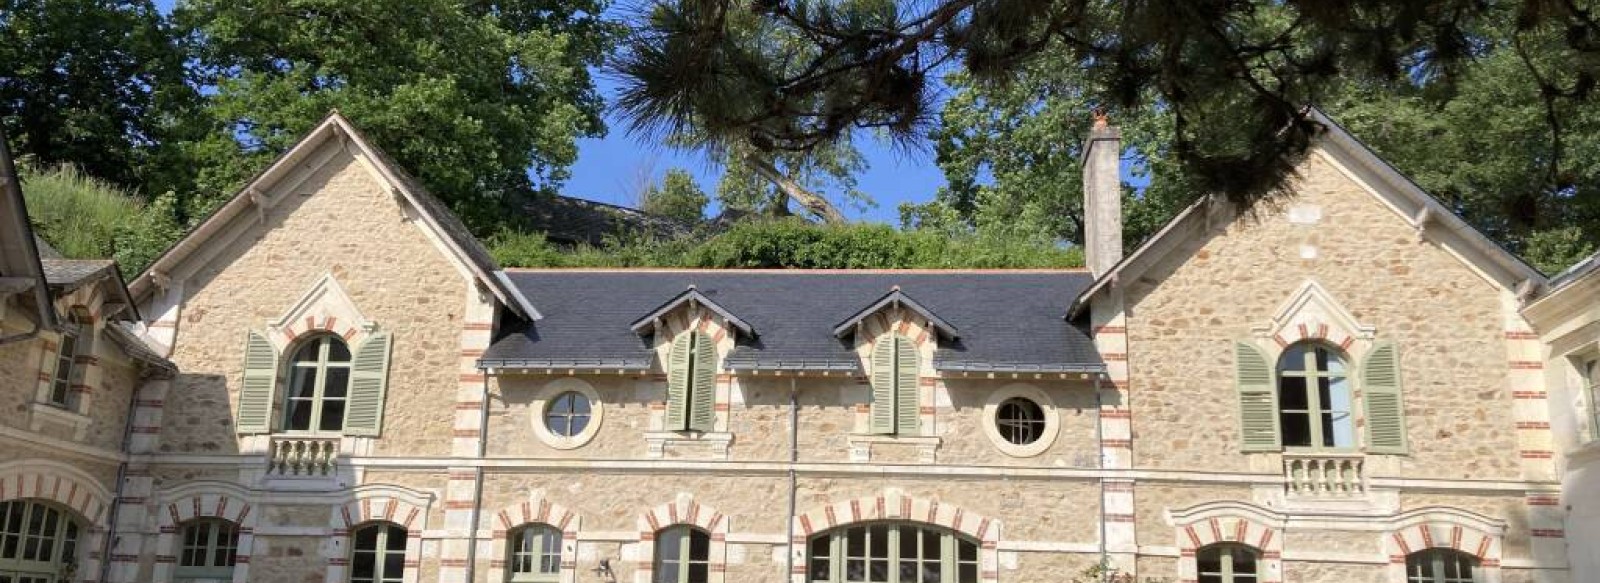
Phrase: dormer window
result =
(692, 383)
(895, 404)
(319, 381)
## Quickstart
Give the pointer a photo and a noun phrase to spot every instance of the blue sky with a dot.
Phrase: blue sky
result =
(609, 167)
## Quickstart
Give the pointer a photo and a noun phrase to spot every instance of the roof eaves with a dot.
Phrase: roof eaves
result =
(619, 364)
(647, 323)
(895, 297)
(1008, 367)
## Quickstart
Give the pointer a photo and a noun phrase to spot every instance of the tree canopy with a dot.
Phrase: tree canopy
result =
(1234, 77)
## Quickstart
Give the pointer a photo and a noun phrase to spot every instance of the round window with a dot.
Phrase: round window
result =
(1020, 421)
(568, 414)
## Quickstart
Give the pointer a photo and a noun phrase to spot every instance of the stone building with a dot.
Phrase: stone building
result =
(338, 384)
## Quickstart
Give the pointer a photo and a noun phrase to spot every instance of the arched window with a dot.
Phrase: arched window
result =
(1314, 406)
(379, 554)
(319, 381)
(38, 542)
(683, 555)
(1441, 566)
(210, 548)
(535, 554)
(1226, 563)
(888, 552)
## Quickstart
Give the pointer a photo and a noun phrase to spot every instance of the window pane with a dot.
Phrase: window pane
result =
(1296, 429)
(337, 384)
(1244, 561)
(969, 573)
(1292, 394)
(969, 551)
(930, 545)
(820, 569)
(367, 539)
(1293, 359)
(558, 425)
(577, 424)
(394, 565)
(878, 541)
(699, 573)
(699, 546)
(580, 403)
(856, 542)
(1338, 424)
(332, 415)
(337, 350)
(397, 538)
(669, 546)
(309, 352)
(1329, 361)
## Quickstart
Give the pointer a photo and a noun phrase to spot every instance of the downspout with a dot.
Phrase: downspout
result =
(477, 478)
(794, 458)
(1100, 464)
(122, 478)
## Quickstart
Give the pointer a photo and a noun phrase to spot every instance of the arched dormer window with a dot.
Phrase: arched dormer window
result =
(319, 384)
(1314, 397)
(1227, 563)
(1441, 566)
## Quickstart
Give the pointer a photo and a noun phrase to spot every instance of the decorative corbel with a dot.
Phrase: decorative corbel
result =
(1420, 222)
(161, 279)
(259, 201)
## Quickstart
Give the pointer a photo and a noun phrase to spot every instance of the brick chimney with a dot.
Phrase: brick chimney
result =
(1102, 197)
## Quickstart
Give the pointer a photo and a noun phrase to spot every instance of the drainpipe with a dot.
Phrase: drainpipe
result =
(122, 478)
(477, 470)
(794, 458)
(1100, 464)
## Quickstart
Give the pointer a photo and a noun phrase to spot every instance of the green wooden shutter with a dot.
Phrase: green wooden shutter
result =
(703, 388)
(369, 377)
(883, 381)
(907, 407)
(1258, 400)
(260, 380)
(678, 383)
(1380, 376)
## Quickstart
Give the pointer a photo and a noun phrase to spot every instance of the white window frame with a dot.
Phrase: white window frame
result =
(379, 552)
(839, 558)
(1311, 373)
(685, 557)
(322, 343)
(533, 555)
(223, 535)
(1438, 558)
(547, 395)
(991, 416)
(66, 537)
(1225, 560)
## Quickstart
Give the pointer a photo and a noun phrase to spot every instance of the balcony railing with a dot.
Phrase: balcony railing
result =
(303, 456)
(1324, 475)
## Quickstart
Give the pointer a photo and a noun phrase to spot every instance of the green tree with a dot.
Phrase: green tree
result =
(482, 100)
(677, 196)
(90, 83)
(1233, 76)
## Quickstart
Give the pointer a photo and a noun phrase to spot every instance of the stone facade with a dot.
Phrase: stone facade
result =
(1142, 468)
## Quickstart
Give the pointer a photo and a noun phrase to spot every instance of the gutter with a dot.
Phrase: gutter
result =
(11, 187)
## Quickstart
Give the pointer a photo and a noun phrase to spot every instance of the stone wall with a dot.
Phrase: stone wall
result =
(1447, 320)
(339, 221)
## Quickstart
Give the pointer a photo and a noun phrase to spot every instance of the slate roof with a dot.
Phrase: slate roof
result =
(1009, 321)
(69, 274)
(572, 221)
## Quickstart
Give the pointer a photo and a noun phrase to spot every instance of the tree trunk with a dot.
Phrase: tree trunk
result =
(791, 189)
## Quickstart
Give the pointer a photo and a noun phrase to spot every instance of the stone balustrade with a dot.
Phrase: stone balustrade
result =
(1324, 474)
(302, 455)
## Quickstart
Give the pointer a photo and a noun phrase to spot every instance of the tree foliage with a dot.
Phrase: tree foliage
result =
(482, 100)
(90, 83)
(1233, 76)
(677, 196)
(792, 243)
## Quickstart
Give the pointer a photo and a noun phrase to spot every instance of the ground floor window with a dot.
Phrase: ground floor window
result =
(210, 549)
(683, 555)
(535, 555)
(892, 553)
(1226, 563)
(1441, 566)
(379, 554)
(38, 543)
